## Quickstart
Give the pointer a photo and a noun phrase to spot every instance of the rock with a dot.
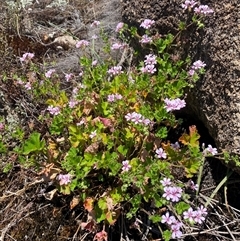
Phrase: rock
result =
(215, 100)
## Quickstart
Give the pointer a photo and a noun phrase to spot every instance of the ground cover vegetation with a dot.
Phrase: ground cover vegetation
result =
(103, 134)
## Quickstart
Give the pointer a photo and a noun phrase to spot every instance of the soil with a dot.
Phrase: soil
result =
(32, 208)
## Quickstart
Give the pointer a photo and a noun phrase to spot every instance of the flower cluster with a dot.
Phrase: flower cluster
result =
(116, 46)
(197, 65)
(95, 23)
(172, 193)
(64, 179)
(49, 73)
(202, 9)
(188, 4)
(150, 61)
(197, 216)
(72, 103)
(146, 39)
(175, 104)
(82, 43)
(137, 118)
(68, 77)
(114, 97)
(174, 224)
(26, 57)
(53, 110)
(115, 70)
(147, 23)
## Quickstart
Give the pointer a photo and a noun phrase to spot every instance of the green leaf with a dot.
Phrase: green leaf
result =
(167, 235)
(33, 144)
(117, 195)
(162, 132)
(155, 218)
(129, 134)
(102, 203)
(122, 149)
(3, 148)
(181, 207)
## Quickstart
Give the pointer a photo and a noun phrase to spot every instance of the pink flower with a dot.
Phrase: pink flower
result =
(82, 122)
(93, 134)
(168, 219)
(116, 46)
(26, 57)
(176, 232)
(166, 182)
(53, 110)
(94, 36)
(95, 23)
(136, 118)
(94, 62)
(189, 214)
(114, 97)
(111, 98)
(118, 96)
(191, 72)
(175, 145)
(49, 73)
(172, 193)
(202, 210)
(126, 167)
(28, 86)
(2, 126)
(82, 43)
(146, 121)
(203, 9)
(198, 65)
(161, 153)
(211, 150)
(119, 27)
(193, 186)
(150, 59)
(188, 4)
(146, 39)
(64, 179)
(176, 194)
(68, 76)
(175, 104)
(149, 69)
(167, 193)
(115, 70)
(147, 23)
(72, 103)
(20, 82)
(101, 236)
(198, 217)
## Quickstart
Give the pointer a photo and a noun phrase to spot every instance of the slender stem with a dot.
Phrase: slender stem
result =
(200, 174)
(224, 180)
